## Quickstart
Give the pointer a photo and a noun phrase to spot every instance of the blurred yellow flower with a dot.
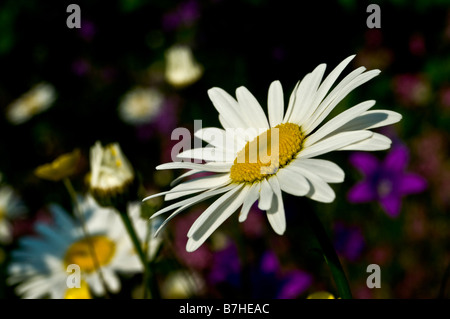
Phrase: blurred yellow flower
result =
(81, 292)
(182, 285)
(63, 166)
(35, 101)
(181, 67)
(320, 295)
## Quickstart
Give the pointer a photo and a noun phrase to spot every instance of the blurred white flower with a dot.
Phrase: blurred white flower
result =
(39, 266)
(11, 207)
(38, 99)
(181, 67)
(140, 105)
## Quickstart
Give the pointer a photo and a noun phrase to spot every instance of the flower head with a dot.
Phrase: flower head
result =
(38, 99)
(256, 158)
(63, 166)
(111, 174)
(386, 181)
(181, 67)
(40, 265)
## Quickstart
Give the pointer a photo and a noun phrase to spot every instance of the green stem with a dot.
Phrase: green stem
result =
(444, 283)
(148, 283)
(80, 217)
(330, 256)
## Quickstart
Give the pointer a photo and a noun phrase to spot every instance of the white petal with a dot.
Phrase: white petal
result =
(275, 214)
(225, 139)
(265, 196)
(188, 203)
(208, 154)
(300, 94)
(213, 217)
(327, 170)
(111, 280)
(333, 143)
(218, 168)
(376, 142)
(193, 186)
(227, 106)
(303, 106)
(252, 197)
(251, 109)
(193, 200)
(217, 204)
(224, 122)
(339, 96)
(320, 191)
(197, 185)
(275, 103)
(338, 121)
(327, 84)
(292, 182)
(291, 102)
(187, 174)
(372, 119)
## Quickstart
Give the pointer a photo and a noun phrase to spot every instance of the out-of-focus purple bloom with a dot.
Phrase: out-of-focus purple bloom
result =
(444, 97)
(270, 282)
(412, 90)
(266, 277)
(348, 241)
(80, 67)
(417, 45)
(183, 15)
(255, 224)
(385, 182)
(87, 30)
(226, 266)
(199, 259)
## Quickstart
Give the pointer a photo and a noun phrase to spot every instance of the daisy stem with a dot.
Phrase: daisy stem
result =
(149, 283)
(80, 217)
(330, 256)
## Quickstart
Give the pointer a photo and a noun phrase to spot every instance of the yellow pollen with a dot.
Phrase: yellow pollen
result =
(264, 155)
(80, 253)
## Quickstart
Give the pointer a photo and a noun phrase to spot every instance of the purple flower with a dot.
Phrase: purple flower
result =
(385, 182)
(226, 266)
(267, 279)
(184, 15)
(348, 241)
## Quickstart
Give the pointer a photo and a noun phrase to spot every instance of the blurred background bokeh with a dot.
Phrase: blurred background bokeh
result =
(137, 69)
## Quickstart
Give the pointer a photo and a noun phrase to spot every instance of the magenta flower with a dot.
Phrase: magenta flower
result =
(386, 182)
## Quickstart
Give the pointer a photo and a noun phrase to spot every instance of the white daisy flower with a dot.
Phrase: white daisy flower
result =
(11, 207)
(294, 137)
(140, 105)
(37, 100)
(40, 265)
(111, 173)
(181, 67)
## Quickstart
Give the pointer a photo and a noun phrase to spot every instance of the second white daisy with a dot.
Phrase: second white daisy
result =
(40, 267)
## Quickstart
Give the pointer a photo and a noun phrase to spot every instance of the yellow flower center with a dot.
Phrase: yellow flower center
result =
(264, 155)
(80, 253)
(78, 293)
